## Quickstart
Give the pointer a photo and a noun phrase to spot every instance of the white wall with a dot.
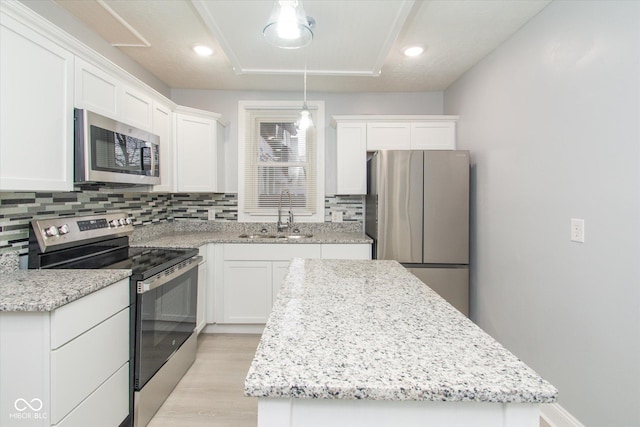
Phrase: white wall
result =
(552, 120)
(226, 103)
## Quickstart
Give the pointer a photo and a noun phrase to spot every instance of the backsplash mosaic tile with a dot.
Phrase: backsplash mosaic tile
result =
(197, 206)
(18, 209)
(352, 207)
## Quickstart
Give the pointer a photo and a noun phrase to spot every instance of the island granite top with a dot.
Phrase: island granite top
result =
(372, 330)
(46, 290)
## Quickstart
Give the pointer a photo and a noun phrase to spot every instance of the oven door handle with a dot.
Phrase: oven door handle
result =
(168, 275)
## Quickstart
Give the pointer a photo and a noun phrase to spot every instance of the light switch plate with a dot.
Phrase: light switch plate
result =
(336, 216)
(211, 214)
(577, 230)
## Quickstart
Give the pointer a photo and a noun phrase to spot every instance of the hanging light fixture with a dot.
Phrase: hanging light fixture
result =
(288, 27)
(304, 117)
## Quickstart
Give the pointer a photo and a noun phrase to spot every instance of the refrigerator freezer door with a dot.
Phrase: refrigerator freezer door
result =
(452, 284)
(399, 184)
(446, 207)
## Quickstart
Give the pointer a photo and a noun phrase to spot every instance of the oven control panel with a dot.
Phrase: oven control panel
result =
(66, 231)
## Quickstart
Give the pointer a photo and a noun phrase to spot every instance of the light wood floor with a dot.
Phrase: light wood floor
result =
(211, 392)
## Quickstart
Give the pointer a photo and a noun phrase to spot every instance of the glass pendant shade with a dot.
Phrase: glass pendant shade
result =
(304, 118)
(288, 26)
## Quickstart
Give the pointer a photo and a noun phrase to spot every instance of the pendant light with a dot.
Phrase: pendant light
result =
(288, 27)
(304, 117)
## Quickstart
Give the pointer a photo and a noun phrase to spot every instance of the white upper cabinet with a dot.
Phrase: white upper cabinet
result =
(99, 91)
(355, 135)
(136, 108)
(95, 90)
(388, 136)
(199, 138)
(163, 127)
(351, 158)
(433, 135)
(36, 110)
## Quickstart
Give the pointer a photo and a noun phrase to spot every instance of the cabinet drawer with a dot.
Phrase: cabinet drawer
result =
(107, 406)
(267, 252)
(79, 367)
(346, 251)
(71, 320)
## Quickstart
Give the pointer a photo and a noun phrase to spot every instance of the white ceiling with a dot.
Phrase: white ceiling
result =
(356, 48)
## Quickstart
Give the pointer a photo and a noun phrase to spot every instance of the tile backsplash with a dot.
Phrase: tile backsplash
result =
(17, 209)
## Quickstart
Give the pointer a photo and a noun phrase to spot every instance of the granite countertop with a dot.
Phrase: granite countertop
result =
(46, 290)
(371, 330)
(194, 239)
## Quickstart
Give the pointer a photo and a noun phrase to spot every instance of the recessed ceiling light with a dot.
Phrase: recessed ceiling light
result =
(203, 50)
(413, 50)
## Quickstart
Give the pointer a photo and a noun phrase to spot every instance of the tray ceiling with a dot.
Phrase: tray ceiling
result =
(357, 43)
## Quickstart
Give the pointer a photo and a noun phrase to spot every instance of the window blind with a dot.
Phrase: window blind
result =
(279, 158)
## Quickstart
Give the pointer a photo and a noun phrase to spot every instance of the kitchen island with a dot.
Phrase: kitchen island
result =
(366, 343)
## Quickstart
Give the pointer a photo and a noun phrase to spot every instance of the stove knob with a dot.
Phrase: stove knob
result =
(114, 223)
(128, 220)
(122, 221)
(63, 229)
(51, 231)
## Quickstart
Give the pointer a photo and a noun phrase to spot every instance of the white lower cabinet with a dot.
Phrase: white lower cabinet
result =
(201, 308)
(70, 365)
(278, 274)
(346, 251)
(251, 275)
(247, 291)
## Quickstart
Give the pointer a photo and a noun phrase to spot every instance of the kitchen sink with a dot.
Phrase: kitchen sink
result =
(274, 236)
(257, 236)
(298, 236)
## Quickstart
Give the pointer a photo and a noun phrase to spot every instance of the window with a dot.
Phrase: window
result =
(273, 157)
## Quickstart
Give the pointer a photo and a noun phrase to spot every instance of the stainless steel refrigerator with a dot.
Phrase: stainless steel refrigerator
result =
(417, 213)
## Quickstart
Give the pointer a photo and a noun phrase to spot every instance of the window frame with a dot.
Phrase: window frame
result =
(317, 108)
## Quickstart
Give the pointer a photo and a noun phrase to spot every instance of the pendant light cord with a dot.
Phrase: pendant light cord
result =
(305, 81)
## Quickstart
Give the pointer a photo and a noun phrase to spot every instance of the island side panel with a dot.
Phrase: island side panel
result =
(275, 412)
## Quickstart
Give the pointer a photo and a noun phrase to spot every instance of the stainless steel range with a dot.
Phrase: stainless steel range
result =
(163, 297)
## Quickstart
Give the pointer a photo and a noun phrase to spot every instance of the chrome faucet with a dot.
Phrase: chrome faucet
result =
(283, 226)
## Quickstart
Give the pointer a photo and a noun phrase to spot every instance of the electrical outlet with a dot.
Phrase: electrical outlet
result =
(336, 216)
(577, 230)
(211, 214)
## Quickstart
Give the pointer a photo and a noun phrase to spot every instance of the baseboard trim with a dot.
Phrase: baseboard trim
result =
(556, 416)
(214, 328)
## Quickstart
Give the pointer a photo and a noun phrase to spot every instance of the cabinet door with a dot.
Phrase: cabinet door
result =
(136, 108)
(36, 111)
(196, 153)
(346, 251)
(388, 136)
(433, 136)
(351, 153)
(247, 291)
(96, 90)
(280, 270)
(201, 314)
(163, 127)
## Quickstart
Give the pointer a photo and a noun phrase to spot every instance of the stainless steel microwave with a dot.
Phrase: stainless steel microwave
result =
(113, 152)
